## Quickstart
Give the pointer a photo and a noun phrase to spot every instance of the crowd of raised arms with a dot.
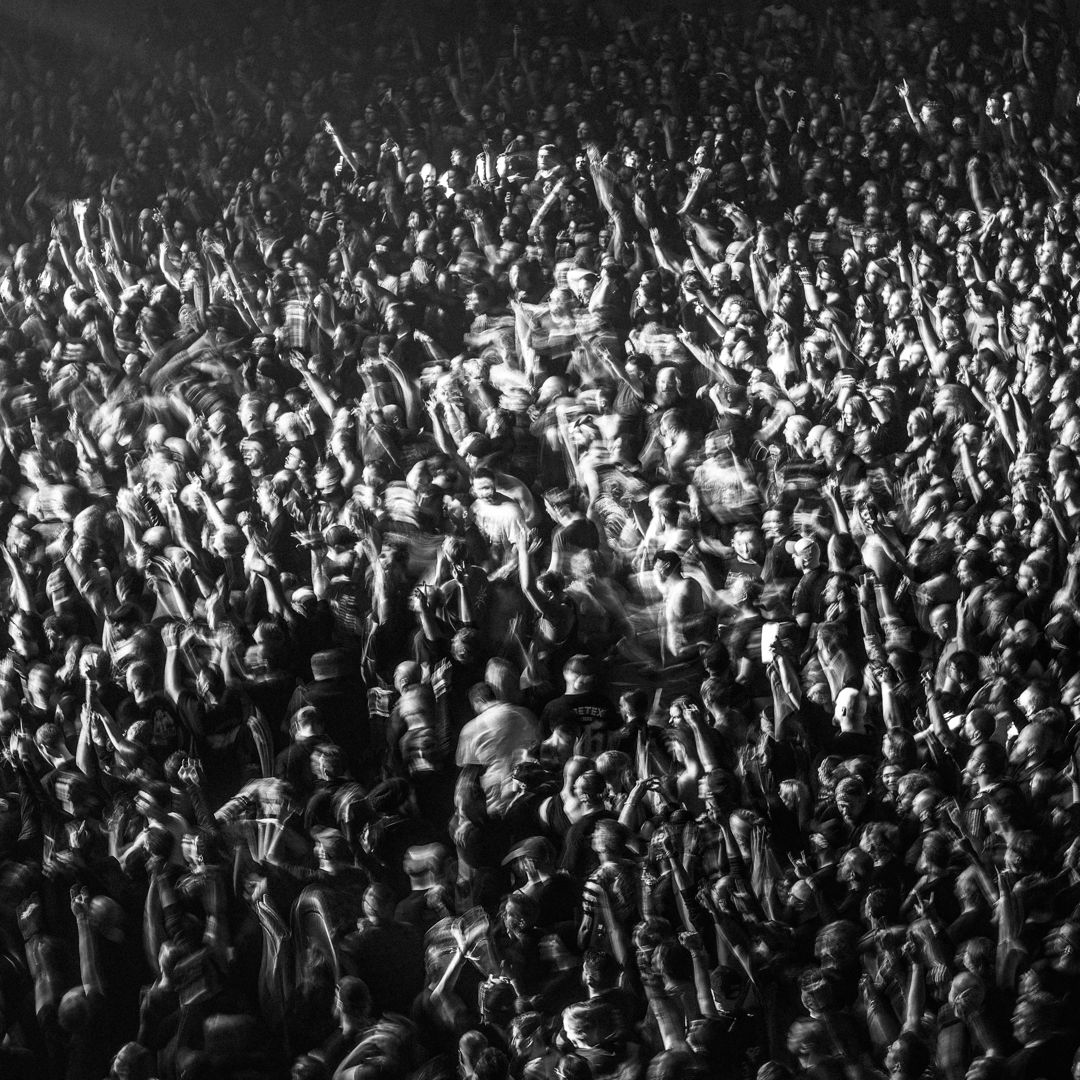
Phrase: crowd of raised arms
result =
(541, 541)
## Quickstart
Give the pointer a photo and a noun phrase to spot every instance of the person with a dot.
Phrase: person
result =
(556, 895)
(684, 616)
(583, 715)
(555, 558)
(385, 953)
(339, 705)
(493, 741)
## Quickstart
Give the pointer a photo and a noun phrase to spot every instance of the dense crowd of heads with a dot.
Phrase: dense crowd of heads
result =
(541, 542)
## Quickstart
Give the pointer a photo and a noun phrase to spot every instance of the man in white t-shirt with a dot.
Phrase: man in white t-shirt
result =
(502, 524)
(496, 738)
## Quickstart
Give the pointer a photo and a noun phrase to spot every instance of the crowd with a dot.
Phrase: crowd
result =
(542, 543)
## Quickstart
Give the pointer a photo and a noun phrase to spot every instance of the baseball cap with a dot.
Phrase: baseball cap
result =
(328, 664)
(807, 548)
(537, 848)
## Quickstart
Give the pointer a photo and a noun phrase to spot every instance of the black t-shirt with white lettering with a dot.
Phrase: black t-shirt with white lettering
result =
(591, 714)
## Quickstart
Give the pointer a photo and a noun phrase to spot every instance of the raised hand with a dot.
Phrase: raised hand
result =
(29, 914)
(189, 772)
(80, 902)
(691, 941)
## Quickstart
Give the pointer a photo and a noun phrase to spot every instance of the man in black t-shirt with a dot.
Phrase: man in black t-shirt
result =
(808, 600)
(1045, 1051)
(557, 895)
(145, 704)
(583, 713)
(342, 706)
(388, 955)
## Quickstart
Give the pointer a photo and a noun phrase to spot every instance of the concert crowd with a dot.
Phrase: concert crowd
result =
(541, 543)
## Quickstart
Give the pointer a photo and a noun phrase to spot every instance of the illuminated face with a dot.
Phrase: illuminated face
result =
(890, 778)
(252, 455)
(1029, 580)
(850, 802)
(747, 544)
(941, 623)
(1025, 1022)
(667, 389)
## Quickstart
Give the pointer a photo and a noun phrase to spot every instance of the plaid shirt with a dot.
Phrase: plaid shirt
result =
(296, 311)
(294, 321)
(302, 286)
